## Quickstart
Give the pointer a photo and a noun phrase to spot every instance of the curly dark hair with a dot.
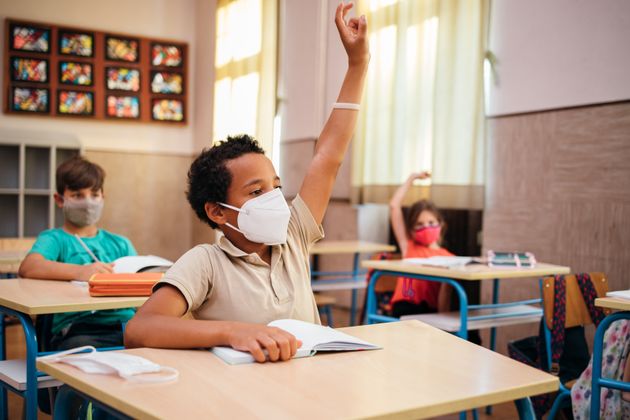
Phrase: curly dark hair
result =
(209, 178)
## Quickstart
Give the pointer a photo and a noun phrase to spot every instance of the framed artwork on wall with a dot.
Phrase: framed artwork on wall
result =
(29, 38)
(122, 49)
(29, 69)
(74, 73)
(167, 110)
(166, 55)
(122, 78)
(167, 83)
(60, 71)
(123, 107)
(80, 44)
(71, 102)
(33, 100)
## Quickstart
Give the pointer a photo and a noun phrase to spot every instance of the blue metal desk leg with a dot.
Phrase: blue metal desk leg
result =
(493, 330)
(355, 273)
(525, 409)
(4, 410)
(30, 395)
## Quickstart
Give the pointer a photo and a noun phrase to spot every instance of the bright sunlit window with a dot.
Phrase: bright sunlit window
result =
(242, 69)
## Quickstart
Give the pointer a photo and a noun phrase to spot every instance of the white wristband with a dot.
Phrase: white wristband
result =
(346, 105)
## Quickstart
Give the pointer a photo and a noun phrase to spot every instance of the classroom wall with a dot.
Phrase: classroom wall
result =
(558, 181)
(546, 50)
(146, 163)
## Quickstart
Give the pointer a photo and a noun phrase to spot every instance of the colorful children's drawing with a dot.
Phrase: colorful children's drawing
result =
(123, 107)
(29, 38)
(29, 70)
(122, 49)
(30, 100)
(75, 103)
(76, 43)
(78, 74)
(165, 82)
(166, 55)
(168, 110)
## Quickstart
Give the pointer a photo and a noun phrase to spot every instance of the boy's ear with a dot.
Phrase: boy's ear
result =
(58, 200)
(215, 213)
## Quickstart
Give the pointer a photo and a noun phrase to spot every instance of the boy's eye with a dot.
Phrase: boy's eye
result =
(256, 192)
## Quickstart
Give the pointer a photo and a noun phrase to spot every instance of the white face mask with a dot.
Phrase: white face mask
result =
(264, 219)
(126, 366)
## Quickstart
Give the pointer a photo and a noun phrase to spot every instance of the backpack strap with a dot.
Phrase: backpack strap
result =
(559, 317)
(589, 294)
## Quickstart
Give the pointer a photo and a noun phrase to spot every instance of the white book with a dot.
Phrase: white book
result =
(141, 263)
(315, 338)
(621, 294)
(441, 261)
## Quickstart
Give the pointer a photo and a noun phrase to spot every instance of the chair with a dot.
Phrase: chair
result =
(324, 305)
(578, 291)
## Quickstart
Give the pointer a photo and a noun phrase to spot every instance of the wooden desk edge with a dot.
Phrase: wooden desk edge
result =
(613, 303)
(87, 306)
(464, 275)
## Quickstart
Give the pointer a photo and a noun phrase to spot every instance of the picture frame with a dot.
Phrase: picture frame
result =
(73, 43)
(122, 49)
(30, 100)
(29, 38)
(167, 82)
(166, 55)
(167, 110)
(29, 69)
(75, 73)
(75, 102)
(122, 78)
(122, 107)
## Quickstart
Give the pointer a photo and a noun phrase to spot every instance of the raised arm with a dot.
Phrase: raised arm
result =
(334, 139)
(395, 210)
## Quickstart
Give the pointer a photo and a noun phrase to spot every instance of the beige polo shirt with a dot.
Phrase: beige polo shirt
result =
(221, 282)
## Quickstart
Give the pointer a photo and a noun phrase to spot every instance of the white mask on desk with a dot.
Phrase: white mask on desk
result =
(126, 366)
(264, 219)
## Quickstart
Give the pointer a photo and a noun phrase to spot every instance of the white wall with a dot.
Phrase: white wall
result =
(556, 54)
(176, 20)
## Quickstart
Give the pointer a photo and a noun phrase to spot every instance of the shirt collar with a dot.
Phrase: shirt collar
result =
(232, 250)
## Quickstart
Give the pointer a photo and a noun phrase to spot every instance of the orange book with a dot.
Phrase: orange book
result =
(123, 284)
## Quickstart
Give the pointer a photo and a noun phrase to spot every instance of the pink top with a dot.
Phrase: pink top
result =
(416, 291)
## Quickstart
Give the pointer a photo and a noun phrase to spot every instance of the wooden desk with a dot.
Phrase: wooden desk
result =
(420, 372)
(471, 272)
(344, 280)
(23, 298)
(623, 308)
(613, 303)
(12, 252)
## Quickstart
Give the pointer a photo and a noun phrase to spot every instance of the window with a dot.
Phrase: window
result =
(244, 91)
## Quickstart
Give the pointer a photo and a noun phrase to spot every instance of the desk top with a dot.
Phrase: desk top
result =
(349, 247)
(613, 303)
(10, 261)
(469, 272)
(36, 297)
(420, 372)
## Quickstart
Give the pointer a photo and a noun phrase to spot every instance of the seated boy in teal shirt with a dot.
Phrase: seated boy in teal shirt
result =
(58, 254)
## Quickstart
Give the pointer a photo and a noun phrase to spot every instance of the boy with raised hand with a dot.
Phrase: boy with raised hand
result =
(259, 269)
(76, 251)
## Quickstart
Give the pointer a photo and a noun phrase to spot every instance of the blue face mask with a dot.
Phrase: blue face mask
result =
(264, 219)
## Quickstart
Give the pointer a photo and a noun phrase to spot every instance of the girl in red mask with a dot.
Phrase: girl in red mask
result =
(418, 236)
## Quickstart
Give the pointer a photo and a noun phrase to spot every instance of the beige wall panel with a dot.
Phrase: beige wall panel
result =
(145, 201)
(559, 186)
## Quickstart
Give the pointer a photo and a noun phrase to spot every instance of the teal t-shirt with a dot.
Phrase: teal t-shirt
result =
(60, 246)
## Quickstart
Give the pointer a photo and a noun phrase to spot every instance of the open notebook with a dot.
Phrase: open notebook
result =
(141, 263)
(314, 338)
(619, 294)
(442, 261)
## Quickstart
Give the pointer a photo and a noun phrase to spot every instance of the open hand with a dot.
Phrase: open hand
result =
(419, 175)
(254, 338)
(353, 35)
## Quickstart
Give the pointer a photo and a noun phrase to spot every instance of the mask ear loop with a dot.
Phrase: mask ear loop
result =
(146, 379)
(58, 356)
(235, 209)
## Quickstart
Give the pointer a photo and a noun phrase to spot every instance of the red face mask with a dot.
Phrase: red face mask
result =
(425, 236)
